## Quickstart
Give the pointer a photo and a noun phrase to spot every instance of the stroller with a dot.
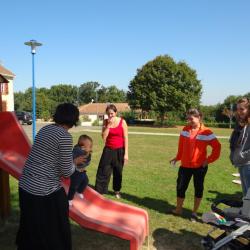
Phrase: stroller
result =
(234, 221)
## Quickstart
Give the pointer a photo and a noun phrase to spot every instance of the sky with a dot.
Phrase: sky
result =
(107, 41)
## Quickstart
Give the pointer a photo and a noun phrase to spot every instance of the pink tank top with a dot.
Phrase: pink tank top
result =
(115, 137)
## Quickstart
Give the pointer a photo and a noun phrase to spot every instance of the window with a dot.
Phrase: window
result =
(5, 89)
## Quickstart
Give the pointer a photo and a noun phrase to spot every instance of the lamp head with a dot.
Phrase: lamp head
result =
(33, 44)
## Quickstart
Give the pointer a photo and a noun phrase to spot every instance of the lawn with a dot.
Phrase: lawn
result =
(149, 182)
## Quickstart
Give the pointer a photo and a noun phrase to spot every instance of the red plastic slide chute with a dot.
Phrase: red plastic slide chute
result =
(94, 211)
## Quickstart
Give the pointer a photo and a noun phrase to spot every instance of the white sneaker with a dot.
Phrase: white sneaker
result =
(237, 182)
(70, 203)
(118, 195)
(81, 196)
(236, 175)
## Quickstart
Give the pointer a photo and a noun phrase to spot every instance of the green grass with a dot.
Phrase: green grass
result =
(148, 182)
(176, 130)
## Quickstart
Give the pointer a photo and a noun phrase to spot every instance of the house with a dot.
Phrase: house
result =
(96, 111)
(6, 91)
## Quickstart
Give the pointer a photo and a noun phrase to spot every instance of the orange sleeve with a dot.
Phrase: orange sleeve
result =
(180, 149)
(216, 148)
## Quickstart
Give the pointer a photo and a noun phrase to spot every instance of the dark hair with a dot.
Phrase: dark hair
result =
(83, 138)
(194, 112)
(66, 114)
(111, 106)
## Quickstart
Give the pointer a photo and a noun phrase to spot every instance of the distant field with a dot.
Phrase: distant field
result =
(149, 183)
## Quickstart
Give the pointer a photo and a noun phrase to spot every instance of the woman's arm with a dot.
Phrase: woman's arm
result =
(216, 148)
(65, 156)
(125, 134)
(105, 130)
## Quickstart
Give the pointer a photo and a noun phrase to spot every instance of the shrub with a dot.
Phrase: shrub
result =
(84, 118)
(95, 123)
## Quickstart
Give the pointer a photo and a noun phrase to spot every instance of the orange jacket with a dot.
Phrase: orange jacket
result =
(196, 157)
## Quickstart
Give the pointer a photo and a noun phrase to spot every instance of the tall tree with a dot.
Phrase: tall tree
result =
(61, 93)
(87, 92)
(163, 85)
(111, 94)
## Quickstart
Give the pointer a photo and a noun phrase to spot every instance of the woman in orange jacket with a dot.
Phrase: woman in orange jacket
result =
(192, 152)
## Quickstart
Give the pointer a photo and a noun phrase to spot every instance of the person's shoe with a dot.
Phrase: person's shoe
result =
(194, 217)
(236, 175)
(237, 182)
(80, 195)
(118, 195)
(70, 203)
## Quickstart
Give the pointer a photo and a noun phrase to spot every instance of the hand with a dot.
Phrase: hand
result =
(107, 123)
(83, 170)
(79, 160)
(125, 159)
(173, 161)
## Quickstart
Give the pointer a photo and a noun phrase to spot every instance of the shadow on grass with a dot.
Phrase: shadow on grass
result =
(85, 239)
(220, 196)
(168, 240)
(82, 238)
(161, 206)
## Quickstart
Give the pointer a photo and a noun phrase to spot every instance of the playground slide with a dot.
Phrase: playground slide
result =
(94, 211)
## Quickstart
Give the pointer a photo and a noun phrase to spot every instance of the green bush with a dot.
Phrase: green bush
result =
(218, 124)
(95, 123)
(84, 118)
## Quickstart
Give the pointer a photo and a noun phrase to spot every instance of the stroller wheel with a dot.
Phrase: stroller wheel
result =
(207, 243)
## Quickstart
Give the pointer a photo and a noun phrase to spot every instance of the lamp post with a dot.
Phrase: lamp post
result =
(33, 44)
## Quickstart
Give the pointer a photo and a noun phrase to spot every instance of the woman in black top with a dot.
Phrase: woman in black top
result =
(44, 223)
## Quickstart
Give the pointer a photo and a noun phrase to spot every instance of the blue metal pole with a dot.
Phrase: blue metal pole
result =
(33, 98)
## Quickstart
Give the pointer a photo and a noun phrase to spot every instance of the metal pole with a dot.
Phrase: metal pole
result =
(33, 98)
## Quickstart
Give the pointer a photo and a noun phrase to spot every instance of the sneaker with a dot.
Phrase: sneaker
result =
(81, 196)
(118, 195)
(237, 182)
(236, 175)
(70, 203)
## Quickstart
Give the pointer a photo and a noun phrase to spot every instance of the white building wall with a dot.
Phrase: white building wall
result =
(10, 97)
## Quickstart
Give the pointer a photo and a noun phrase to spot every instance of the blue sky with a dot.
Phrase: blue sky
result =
(107, 41)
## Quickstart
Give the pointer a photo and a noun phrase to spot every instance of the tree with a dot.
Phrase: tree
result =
(163, 85)
(87, 92)
(111, 94)
(63, 93)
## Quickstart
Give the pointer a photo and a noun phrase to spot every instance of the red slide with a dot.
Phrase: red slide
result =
(94, 211)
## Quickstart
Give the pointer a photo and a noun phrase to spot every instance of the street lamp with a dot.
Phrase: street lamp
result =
(33, 44)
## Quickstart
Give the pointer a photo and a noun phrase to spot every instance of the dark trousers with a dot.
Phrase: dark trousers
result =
(112, 160)
(184, 177)
(78, 182)
(44, 222)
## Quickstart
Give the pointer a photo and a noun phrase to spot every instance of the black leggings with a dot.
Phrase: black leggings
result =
(112, 160)
(184, 177)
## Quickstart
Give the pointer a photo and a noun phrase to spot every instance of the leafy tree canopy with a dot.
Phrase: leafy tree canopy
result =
(164, 85)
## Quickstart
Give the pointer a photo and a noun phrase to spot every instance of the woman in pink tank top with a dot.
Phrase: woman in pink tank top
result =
(115, 152)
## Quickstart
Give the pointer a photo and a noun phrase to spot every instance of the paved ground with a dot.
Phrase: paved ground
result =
(28, 130)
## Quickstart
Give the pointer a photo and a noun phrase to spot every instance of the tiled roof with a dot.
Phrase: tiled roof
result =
(94, 108)
(5, 72)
